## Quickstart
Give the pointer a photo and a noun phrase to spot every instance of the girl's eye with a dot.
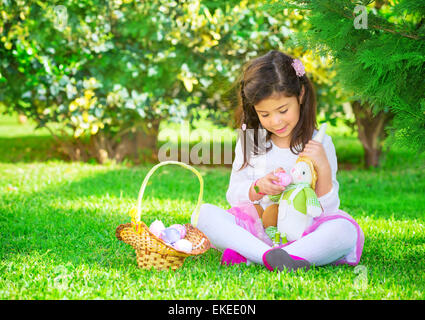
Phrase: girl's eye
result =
(303, 172)
(282, 112)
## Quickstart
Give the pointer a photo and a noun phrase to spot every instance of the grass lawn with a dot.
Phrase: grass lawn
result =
(58, 220)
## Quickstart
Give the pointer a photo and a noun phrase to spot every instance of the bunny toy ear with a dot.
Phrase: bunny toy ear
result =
(321, 134)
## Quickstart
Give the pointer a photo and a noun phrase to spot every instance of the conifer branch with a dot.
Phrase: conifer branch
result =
(415, 37)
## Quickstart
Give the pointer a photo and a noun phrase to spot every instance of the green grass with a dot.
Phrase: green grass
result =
(58, 220)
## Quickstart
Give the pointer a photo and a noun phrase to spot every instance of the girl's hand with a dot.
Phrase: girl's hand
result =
(315, 151)
(266, 185)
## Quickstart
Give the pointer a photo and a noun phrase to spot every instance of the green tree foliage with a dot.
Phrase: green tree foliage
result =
(109, 71)
(380, 56)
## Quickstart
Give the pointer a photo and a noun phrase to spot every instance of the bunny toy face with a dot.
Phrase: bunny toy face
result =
(301, 172)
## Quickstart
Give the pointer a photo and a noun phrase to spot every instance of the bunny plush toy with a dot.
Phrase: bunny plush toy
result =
(298, 205)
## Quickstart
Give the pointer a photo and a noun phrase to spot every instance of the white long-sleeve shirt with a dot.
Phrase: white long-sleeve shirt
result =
(241, 181)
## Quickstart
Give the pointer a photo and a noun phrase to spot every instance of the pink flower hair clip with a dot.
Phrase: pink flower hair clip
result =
(298, 67)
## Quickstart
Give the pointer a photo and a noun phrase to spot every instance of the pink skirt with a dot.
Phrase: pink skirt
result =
(246, 216)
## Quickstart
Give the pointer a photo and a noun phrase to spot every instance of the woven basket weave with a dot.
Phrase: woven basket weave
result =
(152, 251)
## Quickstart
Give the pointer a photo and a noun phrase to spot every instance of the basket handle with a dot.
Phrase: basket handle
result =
(145, 181)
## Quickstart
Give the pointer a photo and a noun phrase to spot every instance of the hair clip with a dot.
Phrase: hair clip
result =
(243, 126)
(299, 67)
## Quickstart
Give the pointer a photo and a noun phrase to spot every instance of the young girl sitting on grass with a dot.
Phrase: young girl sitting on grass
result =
(277, 114)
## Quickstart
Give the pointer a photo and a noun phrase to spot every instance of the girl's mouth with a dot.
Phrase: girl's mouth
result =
(281, 130)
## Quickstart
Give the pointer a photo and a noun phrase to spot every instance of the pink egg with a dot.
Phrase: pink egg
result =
(181, 229)
(156, 227)
(284, 178)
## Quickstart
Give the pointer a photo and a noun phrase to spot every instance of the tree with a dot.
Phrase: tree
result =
(72, 63)
(107, 75)
(378, 49)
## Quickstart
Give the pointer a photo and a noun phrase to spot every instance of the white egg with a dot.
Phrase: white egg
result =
(183, 245)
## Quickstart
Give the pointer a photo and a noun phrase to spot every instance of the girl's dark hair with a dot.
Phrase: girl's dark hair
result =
(266, 76)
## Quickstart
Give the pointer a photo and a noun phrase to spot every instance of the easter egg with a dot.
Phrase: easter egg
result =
(156, 228)
(284, 179)
(183, 245)
(181, 229)
(170, 235)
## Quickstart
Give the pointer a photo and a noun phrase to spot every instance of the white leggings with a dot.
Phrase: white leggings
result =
(331, 241)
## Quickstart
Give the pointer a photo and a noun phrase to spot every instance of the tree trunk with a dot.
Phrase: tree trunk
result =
(371, 131)
(73, 149)
(139, 144)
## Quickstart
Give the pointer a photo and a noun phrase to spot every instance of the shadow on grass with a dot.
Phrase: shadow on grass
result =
(383, 193)
(170, 182)
(28, 149)
(36, 148)
(33, 148)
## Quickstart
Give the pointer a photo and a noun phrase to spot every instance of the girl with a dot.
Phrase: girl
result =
(277, 113)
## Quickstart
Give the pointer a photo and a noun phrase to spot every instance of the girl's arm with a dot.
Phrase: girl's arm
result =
(240, 181)
(241, 185)
(324, 180)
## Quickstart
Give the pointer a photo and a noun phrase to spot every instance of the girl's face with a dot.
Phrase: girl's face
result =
(279, 114)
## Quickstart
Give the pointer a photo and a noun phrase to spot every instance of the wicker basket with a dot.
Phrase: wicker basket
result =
(151, 251)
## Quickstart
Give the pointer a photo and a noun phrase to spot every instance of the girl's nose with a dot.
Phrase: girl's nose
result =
(277, 120)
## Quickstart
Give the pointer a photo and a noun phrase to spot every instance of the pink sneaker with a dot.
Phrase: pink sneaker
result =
(279, 259)
(232, 257)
